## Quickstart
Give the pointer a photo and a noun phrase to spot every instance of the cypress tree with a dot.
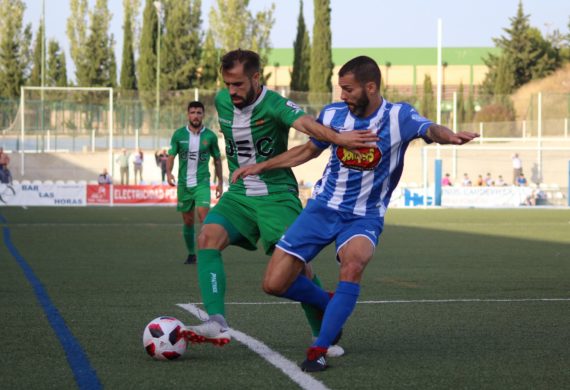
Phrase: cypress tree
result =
(147, 55)
(302, 56)
(14, 48)
(77, 24)
(321, 55)
(181, 43)
(56, 72)
(128, 70)
(460, 104)
(36, 73)
(428, 102)
(210, 63)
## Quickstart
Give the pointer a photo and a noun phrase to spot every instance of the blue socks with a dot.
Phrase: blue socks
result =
(305, 291)
(339, 309)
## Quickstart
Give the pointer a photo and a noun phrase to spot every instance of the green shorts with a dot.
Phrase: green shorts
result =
(257, 217)
(190, 197)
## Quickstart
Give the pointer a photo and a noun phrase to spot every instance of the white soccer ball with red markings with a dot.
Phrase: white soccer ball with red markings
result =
(163, 338)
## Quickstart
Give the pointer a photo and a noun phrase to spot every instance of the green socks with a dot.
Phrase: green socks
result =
(188, 232)
(212, 279)
(314, 315)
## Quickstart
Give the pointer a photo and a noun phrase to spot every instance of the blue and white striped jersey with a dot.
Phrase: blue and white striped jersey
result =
(362, 183)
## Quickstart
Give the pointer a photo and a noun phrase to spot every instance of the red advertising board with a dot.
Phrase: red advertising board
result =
(144, 194)
(98, 194)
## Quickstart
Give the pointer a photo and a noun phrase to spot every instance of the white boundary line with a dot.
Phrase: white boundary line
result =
(305, 381)
(459, 300)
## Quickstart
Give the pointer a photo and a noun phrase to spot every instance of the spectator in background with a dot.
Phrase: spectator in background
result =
(517, 168)
(537, 198)
(521, 180)
(446, 181)
(104, 178)
(466, 181)
(480, 181)
(123, 161)
(5, 175)
(489, 182)
(500, 182)
(161, 161)
(138, 166)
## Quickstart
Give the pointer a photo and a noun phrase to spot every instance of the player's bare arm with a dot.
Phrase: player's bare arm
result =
(443, 135)
(295, 156)
(350, 139)
(169, 176)
(219, 177)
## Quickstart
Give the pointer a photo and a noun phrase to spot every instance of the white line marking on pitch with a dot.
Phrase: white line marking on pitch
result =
(466, 300)
(305, 381)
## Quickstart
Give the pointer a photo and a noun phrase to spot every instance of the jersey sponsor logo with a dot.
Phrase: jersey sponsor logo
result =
(361, 159)
(183, 142)
(224, 121)
(243, 148)
(293, 105)
(204, 156)
(189, 156)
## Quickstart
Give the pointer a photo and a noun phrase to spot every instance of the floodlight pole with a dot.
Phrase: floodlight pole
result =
(43, 65)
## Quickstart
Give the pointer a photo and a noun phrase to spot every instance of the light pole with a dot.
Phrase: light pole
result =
(158, 6)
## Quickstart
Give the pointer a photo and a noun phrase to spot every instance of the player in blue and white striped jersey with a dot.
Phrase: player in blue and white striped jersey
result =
(350, 200)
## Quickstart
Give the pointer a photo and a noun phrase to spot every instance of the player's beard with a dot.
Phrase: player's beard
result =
(358, 108)
(245, 101)
(196, 123)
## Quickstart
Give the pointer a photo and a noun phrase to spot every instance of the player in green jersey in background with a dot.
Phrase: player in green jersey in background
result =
(255, 123)
(194, 145)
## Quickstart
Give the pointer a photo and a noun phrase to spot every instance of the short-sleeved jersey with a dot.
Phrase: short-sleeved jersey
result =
(257, 133)
(194, 151)
(362, 183)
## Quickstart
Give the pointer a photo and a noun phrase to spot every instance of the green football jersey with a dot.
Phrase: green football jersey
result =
(257, 133)
(194, 151)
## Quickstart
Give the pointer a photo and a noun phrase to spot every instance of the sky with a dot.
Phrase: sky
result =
(357, 23)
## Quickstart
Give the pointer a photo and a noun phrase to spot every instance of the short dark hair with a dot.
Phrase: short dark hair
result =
(195, 104)
(364, 68)
(249, 59)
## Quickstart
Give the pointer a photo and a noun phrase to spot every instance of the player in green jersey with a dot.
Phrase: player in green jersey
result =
(255, 123)
(194, 145)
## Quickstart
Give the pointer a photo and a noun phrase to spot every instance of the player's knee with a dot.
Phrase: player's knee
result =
(272, 286)
(212, 237)
(352, 270)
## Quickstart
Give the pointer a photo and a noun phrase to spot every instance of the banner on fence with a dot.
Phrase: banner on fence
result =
(484, 196)
(43, 195)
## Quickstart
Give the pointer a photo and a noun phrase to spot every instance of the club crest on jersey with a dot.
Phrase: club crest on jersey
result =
(361, 159)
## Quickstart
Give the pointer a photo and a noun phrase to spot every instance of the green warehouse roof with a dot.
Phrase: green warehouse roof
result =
(398, 56)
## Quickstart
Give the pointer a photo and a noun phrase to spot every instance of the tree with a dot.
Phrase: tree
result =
(147, 55)
(14, 48)
(527, 55)
(181, 43)
(302, 56)
(209, 63)
(428, 108)
(56, 72)
(128, 79)
(460, 104)
(36, 73)
(234, 26)
(321, 54)
(92, 48)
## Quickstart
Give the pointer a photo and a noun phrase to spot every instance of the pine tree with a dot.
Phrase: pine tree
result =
(302, 56)
(428, 108)
(210, 63)
(128, 70)
(321, 54)
(36, 73)
(181, 43)
(56, 72)
(14, 48)
(234, 26)
(147, 54)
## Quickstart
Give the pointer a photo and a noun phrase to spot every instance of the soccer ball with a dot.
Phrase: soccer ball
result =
(163, 338)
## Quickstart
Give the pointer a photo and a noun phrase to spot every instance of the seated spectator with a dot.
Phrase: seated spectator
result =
(521, 180)
(104, 178)
(489, 182)
(537, 198)
(466, 181)
(5, 175)
(500, 182)
(446, 181)
(480, 181)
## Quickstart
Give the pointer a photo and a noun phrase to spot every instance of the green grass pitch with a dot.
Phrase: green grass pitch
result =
(111, 270)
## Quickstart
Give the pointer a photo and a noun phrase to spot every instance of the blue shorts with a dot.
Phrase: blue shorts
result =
(319, 225)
